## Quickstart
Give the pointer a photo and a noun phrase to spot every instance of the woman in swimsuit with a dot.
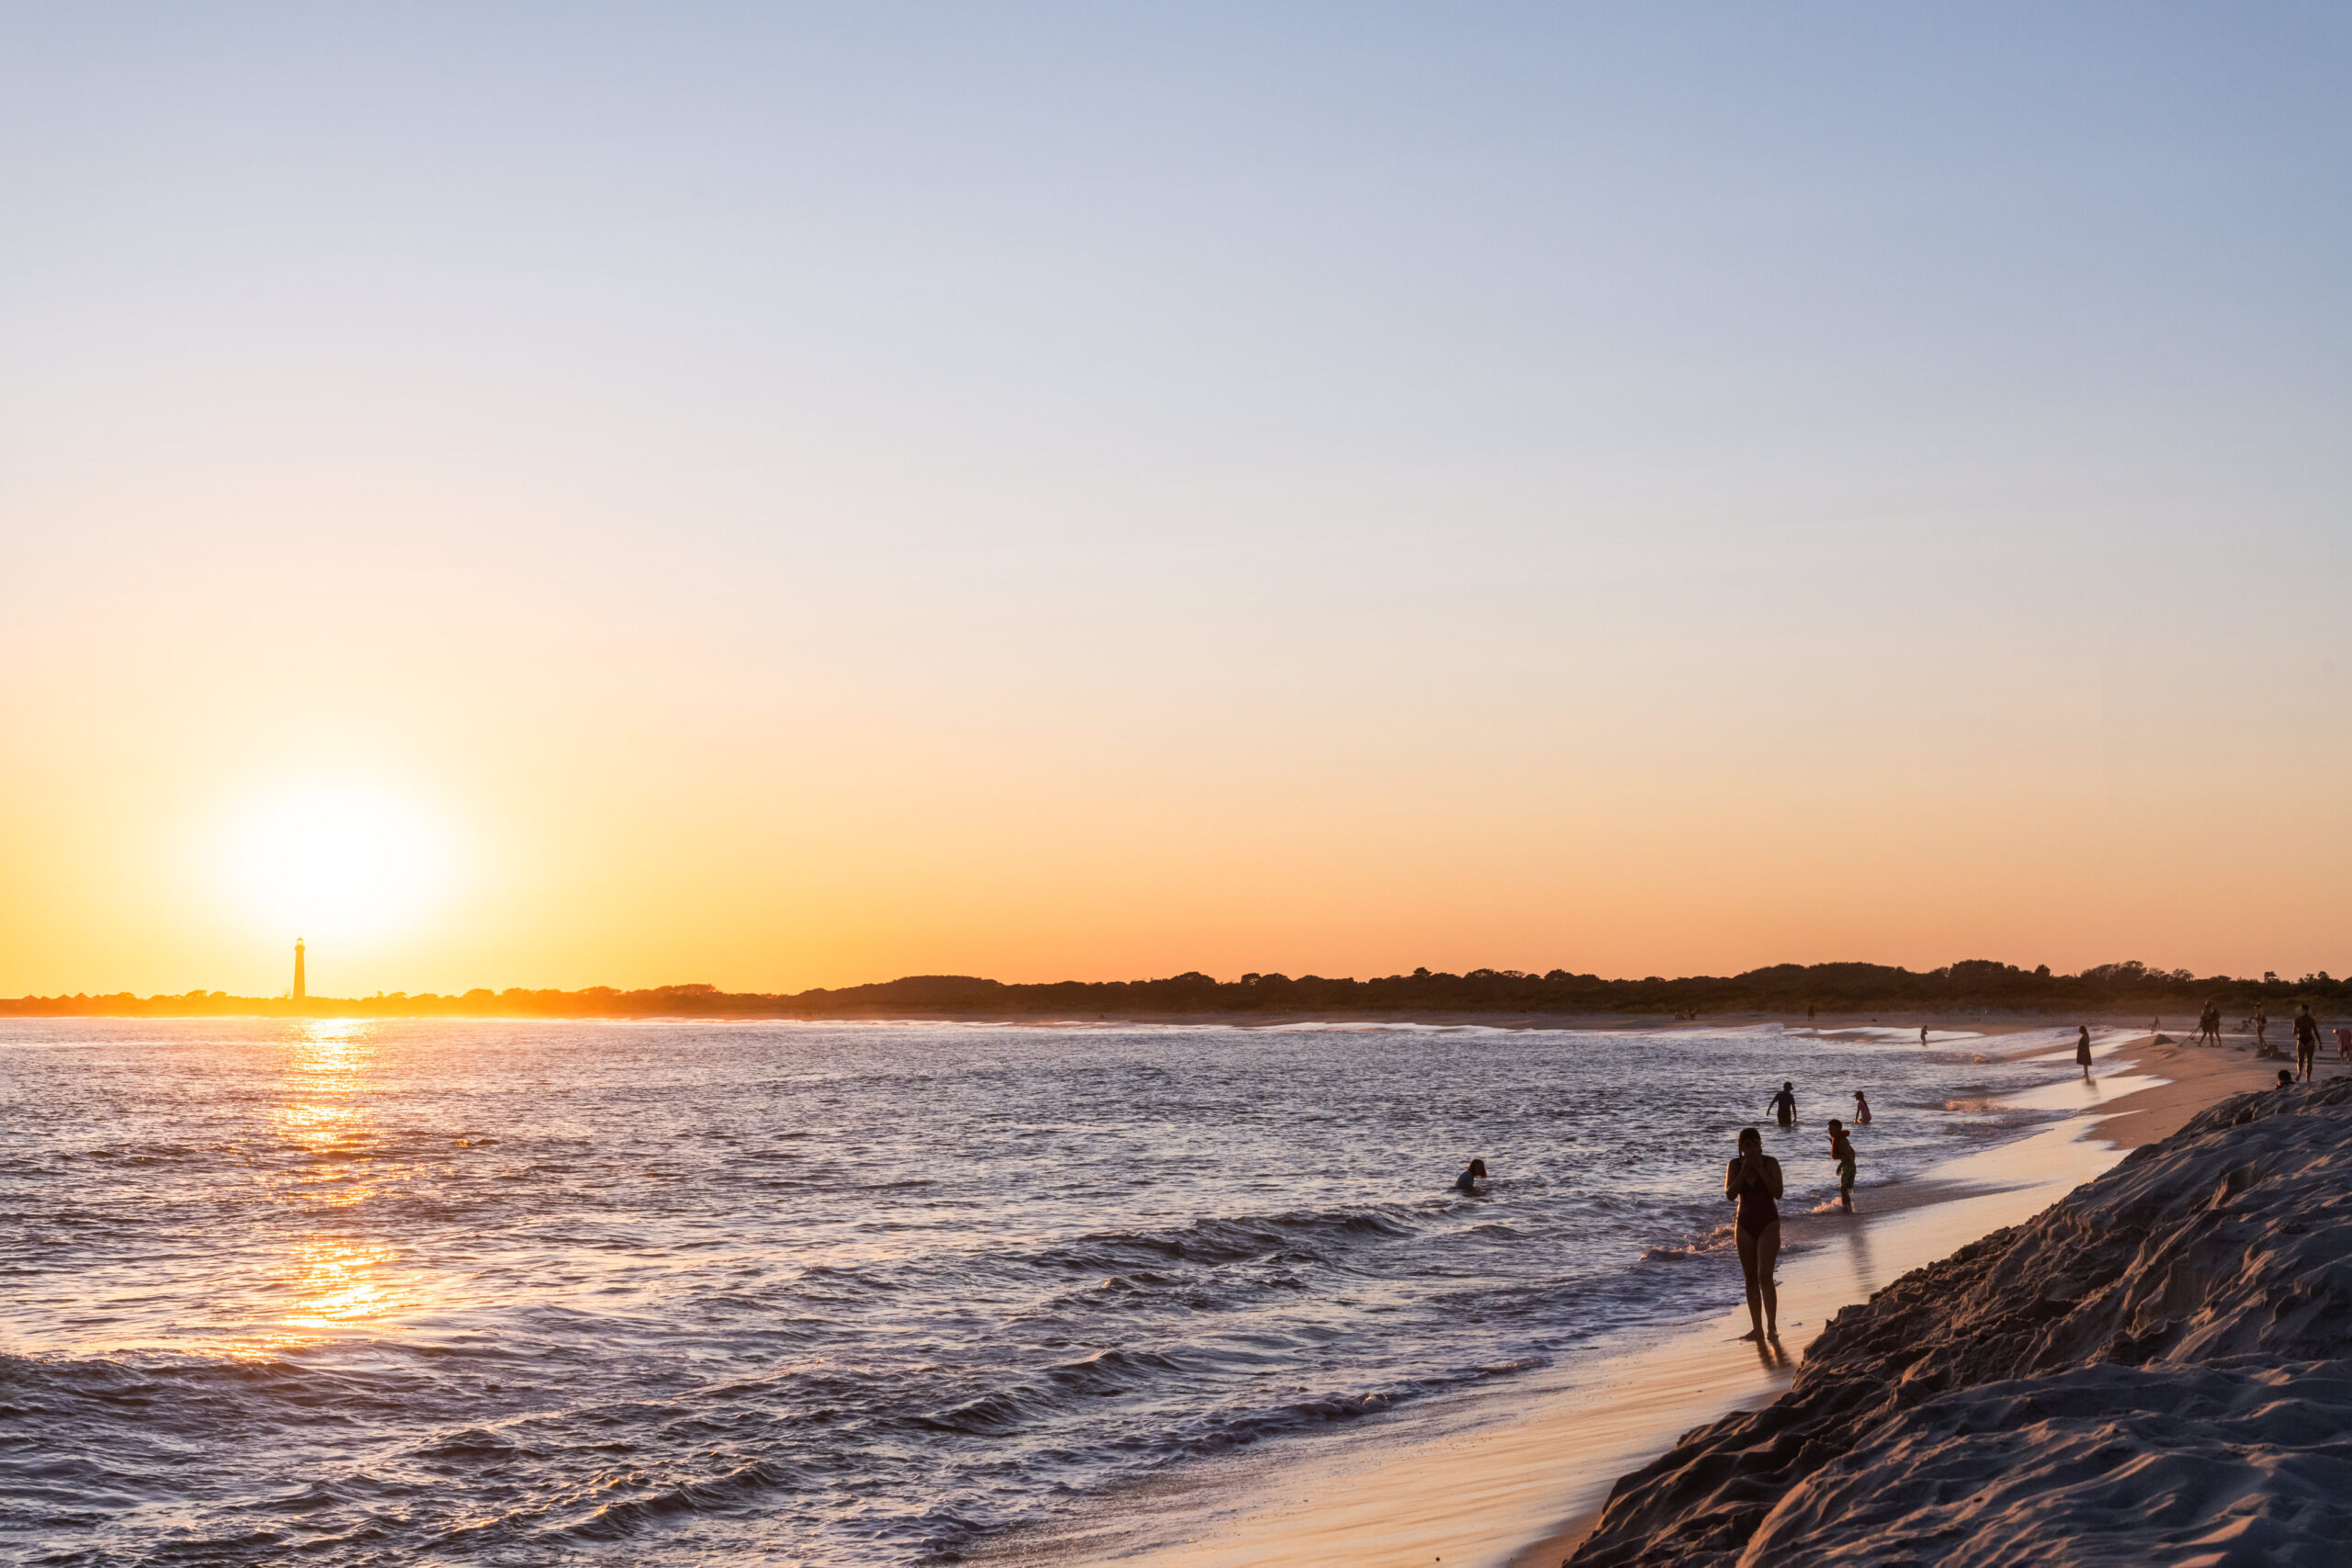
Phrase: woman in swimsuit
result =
(1861, 1109)
(1753, 1180)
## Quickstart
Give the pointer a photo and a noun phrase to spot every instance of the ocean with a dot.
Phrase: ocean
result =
(351, 1292)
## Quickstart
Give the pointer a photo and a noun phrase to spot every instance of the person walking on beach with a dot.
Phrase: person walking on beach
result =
(2306, 1042)
(1784, 1105)
(2082, 1050)
(1753, 1181)
(1841, 1151)
(1861, 1109)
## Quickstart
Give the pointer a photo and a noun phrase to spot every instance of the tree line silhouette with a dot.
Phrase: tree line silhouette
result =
(1975, 985)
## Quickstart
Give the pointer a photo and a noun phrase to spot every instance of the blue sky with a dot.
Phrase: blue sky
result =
(1296, 421)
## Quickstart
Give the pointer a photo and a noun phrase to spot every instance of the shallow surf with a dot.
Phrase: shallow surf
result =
(372, 1293)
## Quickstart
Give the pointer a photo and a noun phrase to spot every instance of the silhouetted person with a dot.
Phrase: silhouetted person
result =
(1753, 1181)
(2286, 1078)
(1923, 1034)
(1784, 1105)
(2344, 1044)
(2082, 1050)
(2306, 1042)
(2261, 1030)
(1841, 1150)
(1861, 1109)
(1467, 1182)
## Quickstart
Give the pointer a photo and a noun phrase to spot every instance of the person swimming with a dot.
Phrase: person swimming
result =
(1861, 1109)
(1841, 1150)
(1753, 1181)
(1467, 1182)
(1784, 1105)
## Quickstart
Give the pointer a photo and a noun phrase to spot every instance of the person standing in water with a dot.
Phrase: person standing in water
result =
(2261, 1030)
(1861, 1109)
(1841, 1151)
(1923, 1034)
(1753, 1181)
(1467, 1182)
(1784, 1105)
(2306, 1043)
(2082, 1050)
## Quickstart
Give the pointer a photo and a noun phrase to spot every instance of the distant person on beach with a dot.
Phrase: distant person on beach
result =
(2344, 1044)
(1753, 1181)
(1467, 1182)
(1841, 1150)
(2306, 1042)
(1861, 1109)
(2082, 1050)
(2212, 1024)
(1784, 1105)
(1923, 1034)
(2261, 1030)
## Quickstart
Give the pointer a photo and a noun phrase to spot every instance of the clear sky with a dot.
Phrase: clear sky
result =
(560, 495)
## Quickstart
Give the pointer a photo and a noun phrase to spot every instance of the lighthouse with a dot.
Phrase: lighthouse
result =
(298, 970)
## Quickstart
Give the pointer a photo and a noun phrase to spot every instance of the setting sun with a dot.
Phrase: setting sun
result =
(350, 862)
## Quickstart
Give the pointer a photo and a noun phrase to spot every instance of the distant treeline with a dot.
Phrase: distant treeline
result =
(1977, 984)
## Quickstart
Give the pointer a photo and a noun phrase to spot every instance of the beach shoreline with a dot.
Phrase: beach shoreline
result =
(2193, 1079)
(1515, 1480)
(2152, 1370)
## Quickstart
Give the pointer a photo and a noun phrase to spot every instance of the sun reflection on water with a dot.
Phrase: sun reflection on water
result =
(333, 1276)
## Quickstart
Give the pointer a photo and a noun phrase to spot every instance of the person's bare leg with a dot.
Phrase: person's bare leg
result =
(1768, 1252)
(1746, 1244)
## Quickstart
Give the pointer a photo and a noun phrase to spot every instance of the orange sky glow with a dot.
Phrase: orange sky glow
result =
(1053, 509)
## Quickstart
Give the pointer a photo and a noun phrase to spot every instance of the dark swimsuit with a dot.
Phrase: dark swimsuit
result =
(1756, 1208)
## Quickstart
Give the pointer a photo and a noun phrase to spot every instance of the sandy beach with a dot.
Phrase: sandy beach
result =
(2152, 1371)
(1518, 1483)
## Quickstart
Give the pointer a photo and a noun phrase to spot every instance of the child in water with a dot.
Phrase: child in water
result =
(1841, 1150)
(1467, 1182)
(1861, 1109)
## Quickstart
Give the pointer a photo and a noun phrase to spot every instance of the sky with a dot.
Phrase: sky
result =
(778, 496)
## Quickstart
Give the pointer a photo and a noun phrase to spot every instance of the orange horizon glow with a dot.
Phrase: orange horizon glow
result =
(1126, 885)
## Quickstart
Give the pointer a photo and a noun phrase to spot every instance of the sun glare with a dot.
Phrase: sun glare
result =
(337, 863)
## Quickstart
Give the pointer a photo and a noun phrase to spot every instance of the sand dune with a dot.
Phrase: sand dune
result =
(2153, 1371)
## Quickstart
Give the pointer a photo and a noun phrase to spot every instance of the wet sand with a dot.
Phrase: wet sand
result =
(1482, 1482)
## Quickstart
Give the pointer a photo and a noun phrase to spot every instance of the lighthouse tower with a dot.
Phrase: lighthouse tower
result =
(299, 992)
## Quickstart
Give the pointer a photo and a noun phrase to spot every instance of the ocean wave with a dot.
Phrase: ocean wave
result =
(514, 1294)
